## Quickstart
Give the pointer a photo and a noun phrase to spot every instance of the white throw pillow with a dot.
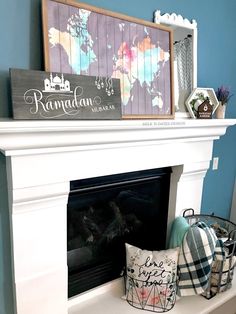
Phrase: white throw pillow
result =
(151, 277)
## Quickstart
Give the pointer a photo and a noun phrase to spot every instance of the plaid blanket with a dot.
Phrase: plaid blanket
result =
(200, 246)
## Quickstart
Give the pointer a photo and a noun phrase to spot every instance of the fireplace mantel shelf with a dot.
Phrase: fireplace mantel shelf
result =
(37, 137)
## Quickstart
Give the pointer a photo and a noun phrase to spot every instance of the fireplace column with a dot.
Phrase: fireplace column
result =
(190, 186)
(186, 189)
(39, 243)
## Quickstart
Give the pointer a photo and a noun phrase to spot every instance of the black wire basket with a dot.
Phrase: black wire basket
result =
(155, 296)
(222, 271)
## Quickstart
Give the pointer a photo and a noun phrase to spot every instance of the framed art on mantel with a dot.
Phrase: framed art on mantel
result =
(86, 40)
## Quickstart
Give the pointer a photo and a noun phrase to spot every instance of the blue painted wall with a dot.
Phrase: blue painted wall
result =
(21, 47)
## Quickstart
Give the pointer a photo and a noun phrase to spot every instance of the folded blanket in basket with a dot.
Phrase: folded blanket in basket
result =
(199, 247)
(178, 231)
(222, 274)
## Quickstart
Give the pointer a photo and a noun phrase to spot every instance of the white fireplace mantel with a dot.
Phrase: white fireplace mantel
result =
(42, 157)
(37, 137)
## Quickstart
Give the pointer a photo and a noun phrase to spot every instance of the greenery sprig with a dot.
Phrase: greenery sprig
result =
(199, 96)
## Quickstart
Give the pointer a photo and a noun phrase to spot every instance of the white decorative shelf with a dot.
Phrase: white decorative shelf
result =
(175, 19)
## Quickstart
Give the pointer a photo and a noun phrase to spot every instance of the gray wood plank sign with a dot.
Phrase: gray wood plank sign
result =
(46, 95)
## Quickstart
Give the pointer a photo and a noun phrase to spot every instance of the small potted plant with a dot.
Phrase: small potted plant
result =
(223, 95)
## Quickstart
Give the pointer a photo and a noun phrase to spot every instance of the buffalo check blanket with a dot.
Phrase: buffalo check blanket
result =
(200, 246)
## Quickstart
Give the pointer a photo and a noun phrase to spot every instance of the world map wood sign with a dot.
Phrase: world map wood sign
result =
(83, 39)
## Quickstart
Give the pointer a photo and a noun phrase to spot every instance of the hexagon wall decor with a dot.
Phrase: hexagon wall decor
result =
(197, 97)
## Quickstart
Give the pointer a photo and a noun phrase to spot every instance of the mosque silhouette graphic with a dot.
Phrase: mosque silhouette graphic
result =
(56, 84)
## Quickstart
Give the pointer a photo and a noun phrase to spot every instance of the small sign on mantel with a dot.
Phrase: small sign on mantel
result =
(46, 95)
(204, 110)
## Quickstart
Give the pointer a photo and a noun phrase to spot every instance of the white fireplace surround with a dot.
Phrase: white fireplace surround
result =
(43, 156)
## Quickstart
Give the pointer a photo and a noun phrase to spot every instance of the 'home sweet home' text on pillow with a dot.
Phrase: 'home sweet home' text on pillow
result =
(151, 277)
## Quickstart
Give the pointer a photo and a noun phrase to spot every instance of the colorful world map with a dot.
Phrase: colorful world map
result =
(89, 43)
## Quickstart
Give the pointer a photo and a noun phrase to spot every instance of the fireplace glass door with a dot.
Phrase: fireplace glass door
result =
(104, 213)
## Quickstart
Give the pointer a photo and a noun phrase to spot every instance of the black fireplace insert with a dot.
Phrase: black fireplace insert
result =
(104, 213)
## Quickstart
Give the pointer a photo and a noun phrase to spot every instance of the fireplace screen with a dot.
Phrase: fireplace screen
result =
(104, 213)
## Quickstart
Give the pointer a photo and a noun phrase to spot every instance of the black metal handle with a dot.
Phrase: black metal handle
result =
(186, 210)
(232, 235)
